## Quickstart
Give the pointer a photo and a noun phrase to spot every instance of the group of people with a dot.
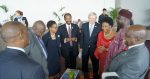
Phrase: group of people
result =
(34, 53)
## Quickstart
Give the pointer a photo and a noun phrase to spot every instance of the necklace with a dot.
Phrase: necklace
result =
(108, 36)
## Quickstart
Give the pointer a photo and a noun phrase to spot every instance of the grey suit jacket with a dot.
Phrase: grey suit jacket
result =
(2, 44)
(34, 51)
(131, 64)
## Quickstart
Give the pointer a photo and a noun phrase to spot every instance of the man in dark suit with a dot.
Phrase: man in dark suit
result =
(14, 63)
(133, 63)
(36, 49)
(89, 36)
(20, 18)
(69, 36)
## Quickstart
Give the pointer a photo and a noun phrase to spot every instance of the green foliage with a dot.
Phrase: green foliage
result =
(59, 15)
(4, 7)
(113, 13)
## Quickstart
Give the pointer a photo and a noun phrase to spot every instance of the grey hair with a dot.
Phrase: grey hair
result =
(92, 14)
(137, 31)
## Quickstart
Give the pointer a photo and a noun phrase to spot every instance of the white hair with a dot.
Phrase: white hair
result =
(92, 14)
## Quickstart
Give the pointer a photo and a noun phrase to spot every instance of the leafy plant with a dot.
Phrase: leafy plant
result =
(59, 15)
(113, 13)
(4, 7)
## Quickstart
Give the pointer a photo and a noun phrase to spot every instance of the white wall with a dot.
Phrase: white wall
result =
(43, 9)
(140, 9)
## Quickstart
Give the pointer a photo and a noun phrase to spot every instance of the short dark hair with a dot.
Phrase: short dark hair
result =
(50, 23)
(104, 9)
(20, 12)
(108, 20)
(67, 14)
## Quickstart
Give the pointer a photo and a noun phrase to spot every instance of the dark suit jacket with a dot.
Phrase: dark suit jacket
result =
(35, 52)
(86, 41)
(64, 34)
(23, 18)
(14, 64)
(131, 64)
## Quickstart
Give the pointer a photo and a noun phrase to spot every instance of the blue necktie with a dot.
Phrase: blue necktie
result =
(43, 46)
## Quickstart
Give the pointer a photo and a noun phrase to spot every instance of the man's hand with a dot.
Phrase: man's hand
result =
(74, 39)
(68, 39)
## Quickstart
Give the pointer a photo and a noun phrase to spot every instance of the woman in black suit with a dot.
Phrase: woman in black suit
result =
(21, 18)
(52, 43)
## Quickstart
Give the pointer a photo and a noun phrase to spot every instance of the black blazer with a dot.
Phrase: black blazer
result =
(23, 18)
(53, 50)
(86, 41)
(64, 34)
(14, 64)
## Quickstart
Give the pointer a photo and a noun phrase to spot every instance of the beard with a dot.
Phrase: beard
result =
(120, 24)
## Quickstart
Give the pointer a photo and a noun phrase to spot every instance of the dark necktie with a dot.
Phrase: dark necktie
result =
(69, 32)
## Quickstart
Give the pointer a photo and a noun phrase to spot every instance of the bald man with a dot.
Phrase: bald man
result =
(36, 49)
(14, 64)
(133, 63)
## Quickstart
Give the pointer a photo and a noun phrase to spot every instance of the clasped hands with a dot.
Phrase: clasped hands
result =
(102, 49)
(73, 39)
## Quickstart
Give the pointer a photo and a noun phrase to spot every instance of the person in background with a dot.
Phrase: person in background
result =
(14, 62)
(2, 43)
(20, 18)
(133, 63)
(52, 43)
(69, 37)
(104, 40)
(89, 36)
(118, 44)
(102, 16)
(36, 50)
(79, 23)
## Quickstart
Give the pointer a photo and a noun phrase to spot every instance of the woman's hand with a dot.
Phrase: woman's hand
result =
(102, 49)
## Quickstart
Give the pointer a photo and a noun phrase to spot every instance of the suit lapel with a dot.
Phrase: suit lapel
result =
(87, 30)
(65, 30)
(37, 42)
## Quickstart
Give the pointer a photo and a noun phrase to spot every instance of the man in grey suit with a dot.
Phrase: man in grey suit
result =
(36, 49)
(2, 44)
(133, 63)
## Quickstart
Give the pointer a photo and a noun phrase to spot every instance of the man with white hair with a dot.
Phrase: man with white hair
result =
(88, 41)
(133, 63)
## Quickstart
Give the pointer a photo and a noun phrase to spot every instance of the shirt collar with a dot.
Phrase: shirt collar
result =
(68, 25)
(17, 48)
(91, 25)
(135, 45)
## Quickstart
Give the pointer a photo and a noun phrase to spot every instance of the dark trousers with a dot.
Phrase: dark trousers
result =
(70, 60)
(95, 62)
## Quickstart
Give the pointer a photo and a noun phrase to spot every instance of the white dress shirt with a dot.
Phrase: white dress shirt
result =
(17, 48)
(67, 26)
(91, 27)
